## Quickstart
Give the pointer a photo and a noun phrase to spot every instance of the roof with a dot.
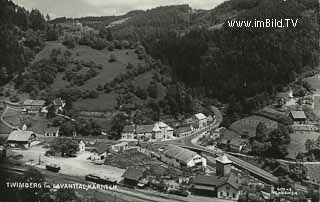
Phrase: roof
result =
(20, 135)
(52, 130)
(217, 181)
(223, 159)
(184, 129)
(101, 148)
(200, 116)
(133, 174)
(34, 102)
(159, 125)
(184, 155)
(129, 129)
(298, 114)
(145, 128)
(121, 144)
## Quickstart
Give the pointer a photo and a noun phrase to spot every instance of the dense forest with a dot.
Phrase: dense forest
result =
(20, 38)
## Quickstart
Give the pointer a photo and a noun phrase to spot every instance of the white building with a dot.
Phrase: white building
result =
(162, 131)
(180, 157)
(200, 120)
(82, 146)
(52, 132)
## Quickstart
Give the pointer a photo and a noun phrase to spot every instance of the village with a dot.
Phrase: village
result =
(151, 157)
(171, 115)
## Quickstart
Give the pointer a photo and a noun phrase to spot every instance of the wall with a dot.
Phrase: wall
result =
(224, 190)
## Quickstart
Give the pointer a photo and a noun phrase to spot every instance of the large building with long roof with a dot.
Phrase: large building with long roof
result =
(179, 157)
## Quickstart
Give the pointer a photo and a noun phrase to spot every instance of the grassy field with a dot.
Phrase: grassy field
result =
(109, 71)
(297, 142)
(248, 125)
(104, 102)
(314, 82)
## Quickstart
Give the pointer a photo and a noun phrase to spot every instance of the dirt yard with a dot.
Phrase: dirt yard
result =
(77, 166)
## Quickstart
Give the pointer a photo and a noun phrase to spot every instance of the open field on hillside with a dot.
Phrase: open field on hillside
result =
(297, 142)
(104, 102)
(314, 82)
(247, 126)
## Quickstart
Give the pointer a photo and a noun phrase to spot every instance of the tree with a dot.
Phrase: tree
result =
(153, 89)
(261, 132)
(48, 17)
(37, 21)
(67, 129)
(67, 147)
(69, 41)
(117, 125)
(280, 140)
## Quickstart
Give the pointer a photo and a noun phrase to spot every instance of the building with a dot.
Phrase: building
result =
(59, 104)
(162, 131)
(180, 157)
(132, 176)
(184, 131)
(33, 106)
(52, 132)
(82, 146)
(224, 184)
(122, 146)
(128, 133)
(100, 152)
(199, 120)
(158, 131)
(298, 117)
(144, 132)
(21, 138)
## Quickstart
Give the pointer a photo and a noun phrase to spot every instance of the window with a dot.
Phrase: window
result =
(221, 193)
(227, 187)
(234, 195)
(227, 193)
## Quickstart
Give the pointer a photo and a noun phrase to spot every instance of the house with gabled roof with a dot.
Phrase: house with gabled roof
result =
(144, 131)
(179, 157)
(33, 106)
(199, 120)
(21, 138)
(132, 176)
(224, 184)
(162, 131)
(128, 132)
(52, 132)
(99, 152)
(299, 117)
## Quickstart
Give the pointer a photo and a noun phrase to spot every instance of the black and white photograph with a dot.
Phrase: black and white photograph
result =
(160, 101)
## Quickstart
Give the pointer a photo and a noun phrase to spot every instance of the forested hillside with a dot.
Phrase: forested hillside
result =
(19, 38)
(240, 66)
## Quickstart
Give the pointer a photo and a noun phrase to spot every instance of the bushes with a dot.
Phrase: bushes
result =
(69, 41)
(14, 99)
(89, 94)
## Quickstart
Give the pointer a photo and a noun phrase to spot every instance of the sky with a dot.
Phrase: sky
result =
(81, 8)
